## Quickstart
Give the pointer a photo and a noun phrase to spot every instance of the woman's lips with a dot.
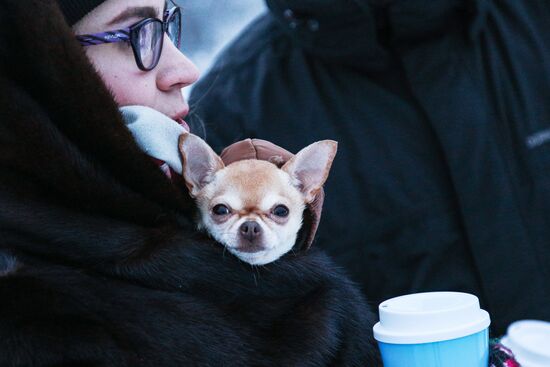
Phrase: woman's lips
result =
(183, 124)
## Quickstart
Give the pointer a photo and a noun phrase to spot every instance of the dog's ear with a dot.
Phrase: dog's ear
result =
(199, 162)
(310, 167)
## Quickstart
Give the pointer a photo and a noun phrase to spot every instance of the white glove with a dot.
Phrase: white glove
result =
(155, 133)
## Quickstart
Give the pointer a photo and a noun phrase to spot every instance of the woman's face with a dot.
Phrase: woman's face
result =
(159, 88)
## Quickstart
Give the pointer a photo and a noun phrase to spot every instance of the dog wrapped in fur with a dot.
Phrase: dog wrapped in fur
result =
(251, 206)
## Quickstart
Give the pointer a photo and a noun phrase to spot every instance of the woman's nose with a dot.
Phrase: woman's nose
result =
(174, 70)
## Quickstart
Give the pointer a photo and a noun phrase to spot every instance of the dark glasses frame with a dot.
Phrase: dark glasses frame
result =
(131, 34)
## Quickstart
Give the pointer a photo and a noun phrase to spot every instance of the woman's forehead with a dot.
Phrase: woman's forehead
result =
(112, 13)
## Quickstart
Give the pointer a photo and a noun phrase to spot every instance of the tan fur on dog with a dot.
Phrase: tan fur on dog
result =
(252, 206)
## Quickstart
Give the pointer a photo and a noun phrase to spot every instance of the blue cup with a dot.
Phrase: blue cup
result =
(435, 329)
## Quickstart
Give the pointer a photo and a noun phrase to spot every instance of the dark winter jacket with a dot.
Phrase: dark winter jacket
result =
(100, 262)
(442, 114)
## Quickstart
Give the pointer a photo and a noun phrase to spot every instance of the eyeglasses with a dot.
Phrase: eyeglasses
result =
(146, 37)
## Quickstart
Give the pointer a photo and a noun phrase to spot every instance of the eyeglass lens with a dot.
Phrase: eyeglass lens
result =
(174, 28)
(150, 39)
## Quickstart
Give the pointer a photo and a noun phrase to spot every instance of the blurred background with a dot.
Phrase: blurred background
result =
(209, 25)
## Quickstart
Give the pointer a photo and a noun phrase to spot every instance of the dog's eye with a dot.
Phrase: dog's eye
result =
(280, 211)
(220, 209)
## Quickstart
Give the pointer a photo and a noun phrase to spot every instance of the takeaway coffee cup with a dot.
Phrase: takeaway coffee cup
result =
(435, 329)
(529, 340)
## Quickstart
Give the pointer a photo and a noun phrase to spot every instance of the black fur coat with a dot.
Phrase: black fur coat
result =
(100, 262)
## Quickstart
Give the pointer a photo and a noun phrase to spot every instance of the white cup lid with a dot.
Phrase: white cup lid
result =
(529, 340)
(429, 317)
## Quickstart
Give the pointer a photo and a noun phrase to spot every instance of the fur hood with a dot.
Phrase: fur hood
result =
(100, 262)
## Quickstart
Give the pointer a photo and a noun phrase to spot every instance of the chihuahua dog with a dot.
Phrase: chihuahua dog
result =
(253, 207)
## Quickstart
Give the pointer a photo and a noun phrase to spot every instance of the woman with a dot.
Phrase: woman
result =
(160, 87)
(100, 262)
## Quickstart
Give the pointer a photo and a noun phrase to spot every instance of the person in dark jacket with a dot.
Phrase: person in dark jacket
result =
(100, 260)
(442, 114)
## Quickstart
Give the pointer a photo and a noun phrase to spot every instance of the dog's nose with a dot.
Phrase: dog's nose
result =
(250, 230)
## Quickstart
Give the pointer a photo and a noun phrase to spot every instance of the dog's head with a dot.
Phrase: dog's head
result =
(251, 206)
